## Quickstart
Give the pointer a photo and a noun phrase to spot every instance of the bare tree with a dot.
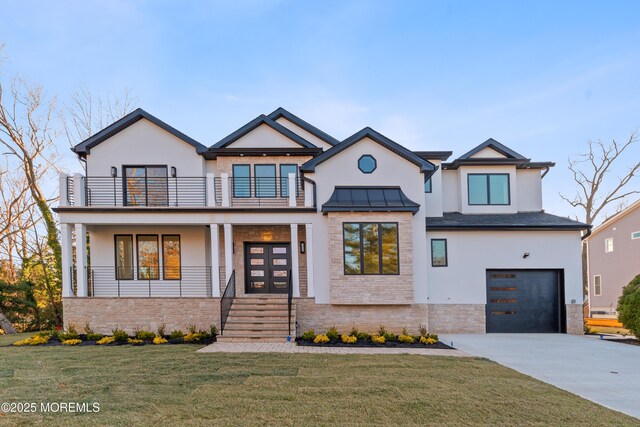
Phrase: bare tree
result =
(597, 189)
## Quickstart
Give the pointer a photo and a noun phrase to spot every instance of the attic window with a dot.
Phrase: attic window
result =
(367, 163)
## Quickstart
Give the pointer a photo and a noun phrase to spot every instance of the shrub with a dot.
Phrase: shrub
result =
(192, 329)
(71, 342)
(35, 340)
(309, 335)
(333, 334)
(174, 335)
(321, 339)
(145, 335)
(422, 329)
(390, 337)
(134, 341)
(71, 334)
(159, 340)
(87, 329)
(354, 331)
(106, 340)
(428, 340)
(1, 331)
(363, 336)
(629, 307)
(94, 337)
(119, 335)
(213, 331)
(378, 339)
(349, 339)
(407, 339)
(161, 330)
(193, 337)
(382, 331)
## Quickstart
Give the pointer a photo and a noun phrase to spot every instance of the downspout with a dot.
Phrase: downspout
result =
(586, 248)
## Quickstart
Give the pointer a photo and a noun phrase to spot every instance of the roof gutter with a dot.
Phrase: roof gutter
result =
(546, 171)
(587, 234)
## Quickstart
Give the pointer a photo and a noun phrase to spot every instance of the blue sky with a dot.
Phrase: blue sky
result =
(540, 77)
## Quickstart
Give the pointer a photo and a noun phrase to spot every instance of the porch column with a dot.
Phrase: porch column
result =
(64, 195)
(81, 260)
(215, 260)
(224, 189)
(309, 248)
(67, 261)
(292, 189)
(295, 265)
(228, 252)
(78, 191)
(211, 190)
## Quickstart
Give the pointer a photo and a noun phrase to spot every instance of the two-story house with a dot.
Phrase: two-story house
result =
(361, 232)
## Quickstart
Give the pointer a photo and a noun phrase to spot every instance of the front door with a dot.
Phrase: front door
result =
(267, 268)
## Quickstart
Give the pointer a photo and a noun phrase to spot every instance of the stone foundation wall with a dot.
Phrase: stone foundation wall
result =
(366, 318)
(106, 314)
(457, 318)
(575, 319)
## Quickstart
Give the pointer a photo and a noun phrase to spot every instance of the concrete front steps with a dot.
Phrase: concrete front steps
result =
(261, 318)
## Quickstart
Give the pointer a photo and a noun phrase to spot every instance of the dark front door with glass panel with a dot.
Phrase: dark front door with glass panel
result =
(267, 267)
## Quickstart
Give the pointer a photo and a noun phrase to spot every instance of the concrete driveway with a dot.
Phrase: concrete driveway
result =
(605, 372)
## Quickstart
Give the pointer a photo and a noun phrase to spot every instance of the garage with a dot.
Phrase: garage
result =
(530, 301)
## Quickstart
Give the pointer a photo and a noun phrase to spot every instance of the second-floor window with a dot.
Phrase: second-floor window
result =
(597, 285)
(241, 181)
(265, 180)
(488, 188)
(608, 244)
(427, 186)
(285, 170)
(146, 186)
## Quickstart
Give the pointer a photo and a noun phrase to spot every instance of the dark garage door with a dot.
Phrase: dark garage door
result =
(524, 301)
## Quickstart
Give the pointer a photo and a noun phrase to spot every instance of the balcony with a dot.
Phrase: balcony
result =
(210, 191)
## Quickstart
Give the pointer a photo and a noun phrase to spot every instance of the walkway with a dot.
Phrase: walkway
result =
(603, 372)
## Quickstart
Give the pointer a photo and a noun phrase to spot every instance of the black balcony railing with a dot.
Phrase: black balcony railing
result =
(156, 191)
(110, 281)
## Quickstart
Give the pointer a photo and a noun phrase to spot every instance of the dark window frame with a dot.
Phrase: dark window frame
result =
(446, 253)
(375, 163)
(275, 180)
(138, 255)
(146, 183)
(430, 186)
(287, 180)
(115, 253)
(488, 180)
(380, 264)
(233, 177)
(164, 264)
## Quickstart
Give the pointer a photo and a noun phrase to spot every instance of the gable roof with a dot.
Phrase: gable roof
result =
(495, 145)
(369, 199)
(85, 146)
(259, 121)
(511, 158)
(616, 217)
(424, 165)
(281, 112)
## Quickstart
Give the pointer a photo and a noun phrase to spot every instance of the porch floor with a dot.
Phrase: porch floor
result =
(286, 347)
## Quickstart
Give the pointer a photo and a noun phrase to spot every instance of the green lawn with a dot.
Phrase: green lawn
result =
(172, 384)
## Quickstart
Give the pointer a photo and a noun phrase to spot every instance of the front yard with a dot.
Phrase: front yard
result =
(172, 384)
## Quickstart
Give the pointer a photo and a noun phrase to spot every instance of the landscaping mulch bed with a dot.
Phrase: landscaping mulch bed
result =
(629, 341)
(439, 345)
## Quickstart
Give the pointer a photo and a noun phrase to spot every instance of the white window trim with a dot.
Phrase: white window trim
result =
(605, 245)
(635, 235)
(594, 285)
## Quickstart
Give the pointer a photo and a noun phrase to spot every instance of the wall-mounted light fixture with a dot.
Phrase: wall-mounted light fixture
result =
(114, 171)
(525, 255)
(173, 172)
(302, 247)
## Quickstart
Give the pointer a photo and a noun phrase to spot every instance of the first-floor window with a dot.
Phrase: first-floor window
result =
(148, 257)
(608, 244)
(124, 257)
(438, 252)
(370, 248)
(597, 285)
(171, 257)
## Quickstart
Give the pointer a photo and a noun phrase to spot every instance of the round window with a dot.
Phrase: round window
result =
(367, 163)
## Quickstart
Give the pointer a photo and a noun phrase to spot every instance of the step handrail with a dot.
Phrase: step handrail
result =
(227, 300)
(289, 301)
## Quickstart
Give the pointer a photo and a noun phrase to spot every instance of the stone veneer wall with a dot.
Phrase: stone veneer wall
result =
(457, 318)
(225, 163)
(106, 314)
(575, 319)
(371, 289)
(366, 318)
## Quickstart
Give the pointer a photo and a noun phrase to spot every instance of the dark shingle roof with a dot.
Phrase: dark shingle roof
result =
(281, 112)
(425, 165)
(85, 146)
(511, 158)
(259, 121)
(518, 221)
(369, 199)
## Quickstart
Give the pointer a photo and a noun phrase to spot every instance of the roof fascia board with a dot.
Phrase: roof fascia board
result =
(281, 112)
(255, 123)
(495, 145)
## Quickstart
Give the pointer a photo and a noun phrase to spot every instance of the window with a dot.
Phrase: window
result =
(367, 164)
(148, 259)
(241, 180)
(427, 186)
(439, 252)
(285, 170)
(124, 257)
(635, 235)
(370, 248)
(488, 189)
(608, 244)
(171, 257)
(146, 186)
(597, 286)
(265, 180)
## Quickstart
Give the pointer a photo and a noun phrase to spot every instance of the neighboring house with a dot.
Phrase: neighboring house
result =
(362, 232)
(614, 259)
